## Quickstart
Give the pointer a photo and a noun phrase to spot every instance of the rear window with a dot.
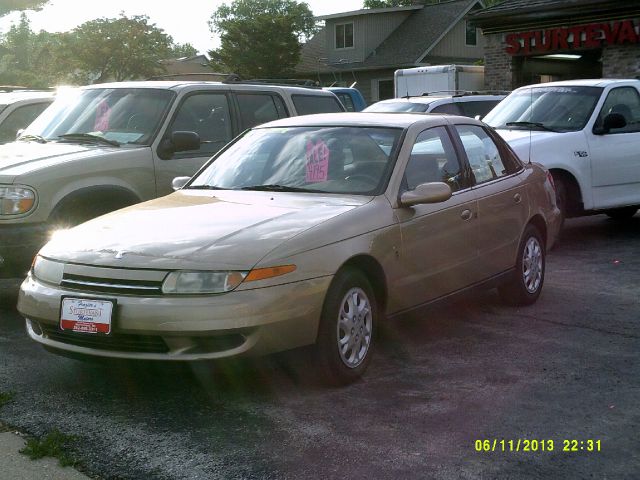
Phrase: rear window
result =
(309, 104)
(397, 107)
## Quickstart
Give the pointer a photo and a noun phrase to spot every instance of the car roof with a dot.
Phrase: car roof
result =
(598, 82)
(7, 98)
(367, 119)
(182, 84)
(426, 99)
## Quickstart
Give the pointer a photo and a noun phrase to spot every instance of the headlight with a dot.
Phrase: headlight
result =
(188, 282)
(16, 200)
(48, 270)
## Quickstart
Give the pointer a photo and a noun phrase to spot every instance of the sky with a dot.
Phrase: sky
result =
(186, 21)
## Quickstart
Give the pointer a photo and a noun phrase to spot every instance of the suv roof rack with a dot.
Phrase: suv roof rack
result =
(208, 76)
(237, 79)
(462, 93)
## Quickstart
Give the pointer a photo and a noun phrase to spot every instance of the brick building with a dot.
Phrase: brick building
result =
(532, 41)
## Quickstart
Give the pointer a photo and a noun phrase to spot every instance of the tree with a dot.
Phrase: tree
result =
(180, 50)
(260, 38)
(7, 6)
(119, 49)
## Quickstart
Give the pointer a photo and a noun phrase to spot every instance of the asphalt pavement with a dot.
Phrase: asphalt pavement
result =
(457, 391)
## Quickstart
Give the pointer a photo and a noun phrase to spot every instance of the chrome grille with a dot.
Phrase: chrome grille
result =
(112, 285)
(119, 281)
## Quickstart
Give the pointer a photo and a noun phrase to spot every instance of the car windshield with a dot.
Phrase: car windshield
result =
(397, 107)
(336, 159)
(114, 115)
(555, 108)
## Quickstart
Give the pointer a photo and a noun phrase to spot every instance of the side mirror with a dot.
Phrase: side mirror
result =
(432, 192)
(180, 141)
(19, 132)
(179, 182)
(612, 120)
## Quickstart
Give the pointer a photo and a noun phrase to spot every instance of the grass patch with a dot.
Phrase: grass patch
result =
(5, 398)
(55, 444)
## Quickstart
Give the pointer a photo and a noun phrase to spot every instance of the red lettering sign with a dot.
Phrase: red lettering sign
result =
(593, 35)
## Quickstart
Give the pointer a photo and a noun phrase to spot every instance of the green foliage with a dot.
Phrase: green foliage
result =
(5, 398)
(55, 444)
(119, 49)
(180, 50)
(260, 38)
(7, 6)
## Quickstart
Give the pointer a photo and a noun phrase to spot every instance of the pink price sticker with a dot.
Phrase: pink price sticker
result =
(103, 112)
(317, 161)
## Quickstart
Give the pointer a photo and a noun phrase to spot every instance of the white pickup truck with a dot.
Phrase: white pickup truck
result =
(587, 133)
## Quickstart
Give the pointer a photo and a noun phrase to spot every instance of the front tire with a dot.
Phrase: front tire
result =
(524, 287)
(346, 332)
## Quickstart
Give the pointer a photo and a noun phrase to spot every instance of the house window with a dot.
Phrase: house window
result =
(471, 35)
(344, 35)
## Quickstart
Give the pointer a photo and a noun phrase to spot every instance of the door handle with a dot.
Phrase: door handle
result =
(517, 198)
(466, 214)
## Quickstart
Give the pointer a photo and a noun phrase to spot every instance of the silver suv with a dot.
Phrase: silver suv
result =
(467, 104)
(103, 147)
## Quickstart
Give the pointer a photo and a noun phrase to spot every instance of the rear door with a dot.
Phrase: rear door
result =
(503, 206)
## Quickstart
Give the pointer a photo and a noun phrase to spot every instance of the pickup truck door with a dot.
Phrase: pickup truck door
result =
(615, 156)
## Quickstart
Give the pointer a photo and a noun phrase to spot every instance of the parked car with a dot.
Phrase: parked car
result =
(587, 133)
(103, 147)
(468, 104)
(305, 230)
(18, 108)
(351, 98)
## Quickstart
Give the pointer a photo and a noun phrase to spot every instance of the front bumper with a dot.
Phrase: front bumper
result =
(258, 321)
(18, 245)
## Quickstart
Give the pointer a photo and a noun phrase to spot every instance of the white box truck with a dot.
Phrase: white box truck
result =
(439, 78)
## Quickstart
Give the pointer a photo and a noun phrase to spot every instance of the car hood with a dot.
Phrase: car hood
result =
(197, 229)
(18, 158)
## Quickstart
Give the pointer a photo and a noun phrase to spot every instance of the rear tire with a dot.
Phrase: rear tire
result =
(525, 285)
(346, 332)
(623, 213)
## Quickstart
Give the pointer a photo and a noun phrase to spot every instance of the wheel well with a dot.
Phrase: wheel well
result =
(574, 196)
(371, 269)
(94, 201)
(538, 222)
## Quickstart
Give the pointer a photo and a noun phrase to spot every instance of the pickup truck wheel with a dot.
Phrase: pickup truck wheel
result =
(622, 213)
(525, 285)
(345, 335)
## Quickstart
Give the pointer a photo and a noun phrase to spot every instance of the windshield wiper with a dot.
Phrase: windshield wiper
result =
(203, 187)
(539, 125)
(280, 188)
(89, 137)
(35, 138)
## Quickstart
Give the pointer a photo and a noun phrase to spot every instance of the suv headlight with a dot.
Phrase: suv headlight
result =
(16, 200)
(47, 270)
(193, 282)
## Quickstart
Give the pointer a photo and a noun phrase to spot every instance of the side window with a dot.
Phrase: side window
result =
(626, 102)
(433, 159)
(258, 108)
(207, 114)
(308, 104)
(448, 108)
(21, 117)
(346, 101)
(483, 154)
(477, 107)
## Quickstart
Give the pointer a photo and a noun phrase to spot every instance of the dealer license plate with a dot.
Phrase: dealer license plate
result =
(86, 315)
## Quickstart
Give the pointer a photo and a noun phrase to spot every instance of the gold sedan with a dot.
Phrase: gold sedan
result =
(307, 230)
